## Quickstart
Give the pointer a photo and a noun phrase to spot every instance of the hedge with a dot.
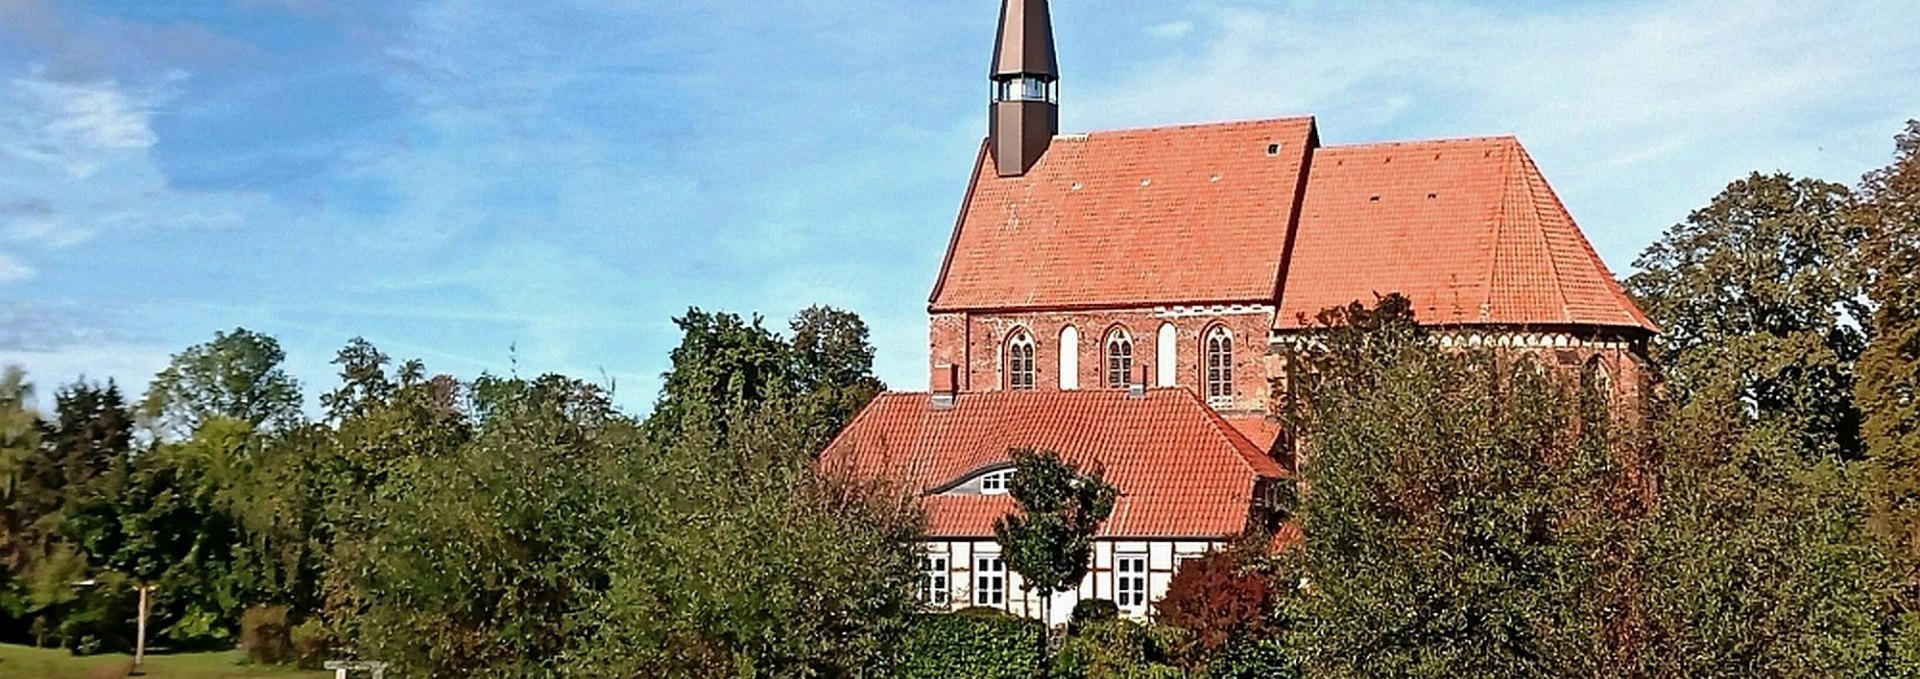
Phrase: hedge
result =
(971, 644)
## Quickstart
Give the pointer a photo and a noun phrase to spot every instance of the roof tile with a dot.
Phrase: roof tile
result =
(1182, 471)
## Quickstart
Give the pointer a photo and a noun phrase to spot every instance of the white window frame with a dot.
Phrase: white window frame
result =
(1216, 369)
(989, 581)
(996, 483)
(1130, 582)
(936, 580)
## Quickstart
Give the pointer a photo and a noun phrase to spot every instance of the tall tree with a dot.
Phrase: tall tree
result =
(1767, 281)
(725, 369)
(1457, 525)
(19, 427)
(1759, 554)
(1889, 389)
(237, 375)
(1049, 542)
(728, 369)
(834, 365)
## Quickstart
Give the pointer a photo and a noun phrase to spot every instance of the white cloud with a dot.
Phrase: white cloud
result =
(77, 126)
(1638, 111)
(12, 269)
(1171, 30)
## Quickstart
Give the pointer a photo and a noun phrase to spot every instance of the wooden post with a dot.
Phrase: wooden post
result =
(140, 638)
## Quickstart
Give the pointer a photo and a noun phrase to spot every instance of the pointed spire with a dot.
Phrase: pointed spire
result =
(1025, 43)
(1026, 94)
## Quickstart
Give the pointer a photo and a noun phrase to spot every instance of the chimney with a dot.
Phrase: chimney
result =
(1026, 88)
(946, 386)
(1137, 385)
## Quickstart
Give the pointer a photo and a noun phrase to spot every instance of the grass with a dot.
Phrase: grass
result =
(22, 662)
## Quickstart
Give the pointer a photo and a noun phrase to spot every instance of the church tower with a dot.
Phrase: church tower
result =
(1026, 88)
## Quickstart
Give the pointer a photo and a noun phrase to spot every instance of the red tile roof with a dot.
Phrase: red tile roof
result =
(1181, 469)
(1467, 228)
(1166, 215)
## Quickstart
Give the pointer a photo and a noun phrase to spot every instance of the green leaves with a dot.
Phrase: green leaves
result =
(1767, 283)
(1050, 541)
(728, 369)
(237, 376)
(1456, 525)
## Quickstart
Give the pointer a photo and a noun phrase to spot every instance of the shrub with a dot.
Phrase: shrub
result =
(1116, 649)
(1255, 659)
(313, 644)
(265, 635)
(1091, 610)
(1218, 601)
(974, 643)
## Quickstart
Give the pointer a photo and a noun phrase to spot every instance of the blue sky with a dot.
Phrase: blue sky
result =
(492, 184)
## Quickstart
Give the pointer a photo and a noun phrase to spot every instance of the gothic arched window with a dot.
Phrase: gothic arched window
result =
(1119, 358)
(1596, 391)
(1020, 364)
(1219, 376)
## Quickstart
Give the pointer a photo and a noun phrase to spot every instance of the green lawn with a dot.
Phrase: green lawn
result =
(21, 662)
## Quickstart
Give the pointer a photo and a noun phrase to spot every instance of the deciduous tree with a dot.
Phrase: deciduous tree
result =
(1766, 282)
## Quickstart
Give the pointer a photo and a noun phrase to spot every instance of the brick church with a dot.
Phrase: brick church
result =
(1113, 296)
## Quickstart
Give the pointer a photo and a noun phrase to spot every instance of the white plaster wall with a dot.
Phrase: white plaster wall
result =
(1163, 557)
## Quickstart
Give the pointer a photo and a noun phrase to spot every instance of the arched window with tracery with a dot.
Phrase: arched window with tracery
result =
(1020, 364)
(1119, 358)
(1219, 377)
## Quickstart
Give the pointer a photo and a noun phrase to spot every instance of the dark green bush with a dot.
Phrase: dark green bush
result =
(1091, 610)
(313, 644)
(1254, 659)
(266, 636)
(971, 643)
(1117, 649)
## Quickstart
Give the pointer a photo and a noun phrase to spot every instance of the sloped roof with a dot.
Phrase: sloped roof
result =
(1466, 228)
(1167, 215)
(1182, 471)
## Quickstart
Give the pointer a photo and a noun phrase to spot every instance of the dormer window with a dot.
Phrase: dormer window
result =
(996, 482)
(1026, 88)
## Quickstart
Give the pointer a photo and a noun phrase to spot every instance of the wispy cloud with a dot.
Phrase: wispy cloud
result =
(12, 269)
(78, 127)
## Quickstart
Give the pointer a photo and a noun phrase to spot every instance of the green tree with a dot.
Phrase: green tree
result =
(834, 364)
(725, 369)
(1457, 524)
(237, 375)
(1757, 552)
(728, 369)
(1889, 388)
(1766, 280)
(1049, 542)
(19, 427)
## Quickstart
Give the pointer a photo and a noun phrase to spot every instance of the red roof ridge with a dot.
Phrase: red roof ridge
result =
(1155, 129)
(1482, 139)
